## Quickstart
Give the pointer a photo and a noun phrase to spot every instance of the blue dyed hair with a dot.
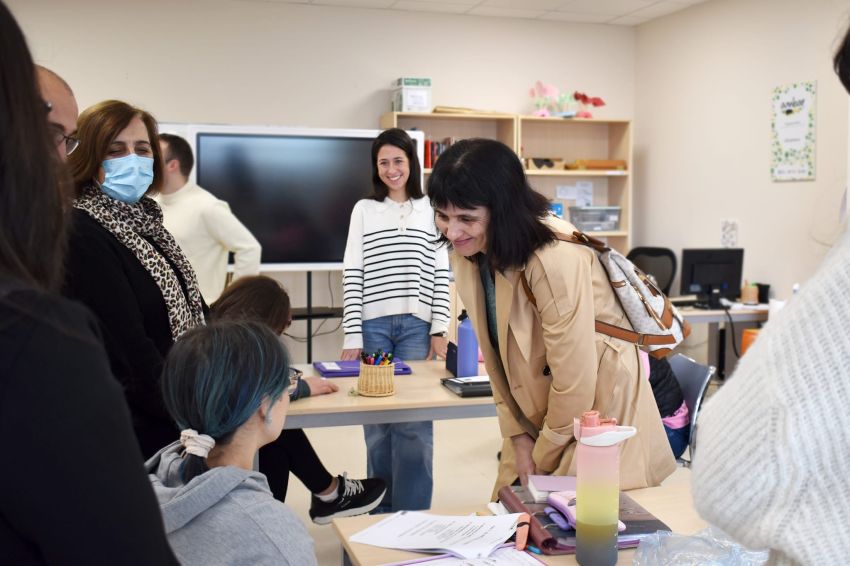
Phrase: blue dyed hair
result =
(217, 376)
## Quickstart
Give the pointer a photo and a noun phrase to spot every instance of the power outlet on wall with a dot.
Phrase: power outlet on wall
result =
(728, 233)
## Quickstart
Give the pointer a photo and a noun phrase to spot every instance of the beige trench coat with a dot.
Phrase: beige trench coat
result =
(587, 370)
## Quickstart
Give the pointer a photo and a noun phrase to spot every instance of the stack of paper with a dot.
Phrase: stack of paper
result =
(506, 555)
(464, 537)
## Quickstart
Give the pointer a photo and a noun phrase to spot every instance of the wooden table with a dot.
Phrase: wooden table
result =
(671, 502)
(418, 397)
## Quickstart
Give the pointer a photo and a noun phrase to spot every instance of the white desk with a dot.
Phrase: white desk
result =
(418, 397)
(716, 340)
(671, 502)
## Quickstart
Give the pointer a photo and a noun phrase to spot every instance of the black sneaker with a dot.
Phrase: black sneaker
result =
(356, 497)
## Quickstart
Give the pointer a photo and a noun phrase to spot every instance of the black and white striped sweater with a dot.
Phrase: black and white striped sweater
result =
(394, 265)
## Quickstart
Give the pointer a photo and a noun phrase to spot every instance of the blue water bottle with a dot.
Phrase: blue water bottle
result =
(467, 347)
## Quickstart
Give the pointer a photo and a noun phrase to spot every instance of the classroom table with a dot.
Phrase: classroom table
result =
(418, 397)
(671, 502)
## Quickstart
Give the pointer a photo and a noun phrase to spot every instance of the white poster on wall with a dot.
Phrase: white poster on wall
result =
(793, 133)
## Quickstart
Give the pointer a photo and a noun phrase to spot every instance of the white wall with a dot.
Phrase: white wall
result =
(702, 135)
(261, 62)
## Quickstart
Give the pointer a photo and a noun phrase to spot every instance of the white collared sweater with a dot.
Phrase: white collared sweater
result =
(773, 445)
(206, 230)
(394, 265)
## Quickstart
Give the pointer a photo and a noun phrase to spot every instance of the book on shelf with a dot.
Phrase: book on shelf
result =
(552, 539)
(461, 110)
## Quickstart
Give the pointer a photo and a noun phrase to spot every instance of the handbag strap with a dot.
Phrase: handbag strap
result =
(602, 327)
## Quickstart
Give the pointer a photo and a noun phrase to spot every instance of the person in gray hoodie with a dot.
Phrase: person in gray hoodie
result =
(226, 386)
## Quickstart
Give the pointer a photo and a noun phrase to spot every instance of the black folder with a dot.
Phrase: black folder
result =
(468, 386)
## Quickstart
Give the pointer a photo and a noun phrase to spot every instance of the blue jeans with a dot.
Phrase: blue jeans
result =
(401, 454)
(678, 438)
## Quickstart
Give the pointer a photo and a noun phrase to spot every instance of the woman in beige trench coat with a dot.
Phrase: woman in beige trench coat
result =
(546, 362)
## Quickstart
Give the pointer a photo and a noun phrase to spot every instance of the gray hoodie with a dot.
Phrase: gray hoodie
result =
(226, 516)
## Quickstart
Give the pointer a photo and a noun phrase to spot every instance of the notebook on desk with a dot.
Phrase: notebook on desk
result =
(351, 368)
(552, 539)
(477, 386)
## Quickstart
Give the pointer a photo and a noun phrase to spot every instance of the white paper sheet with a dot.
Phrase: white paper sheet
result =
(508, 556)
(464, 537)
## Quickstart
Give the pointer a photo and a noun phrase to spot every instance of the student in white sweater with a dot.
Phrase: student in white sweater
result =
(396, 299)
(773, 445)
(202, 224)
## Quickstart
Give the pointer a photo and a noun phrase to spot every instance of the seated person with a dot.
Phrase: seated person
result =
(671, 403)
(262, 299)
(227, 387)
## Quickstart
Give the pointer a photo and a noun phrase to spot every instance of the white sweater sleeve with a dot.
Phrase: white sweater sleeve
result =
(352, 281)
(235, 237)
(441, 307)
(772, 444)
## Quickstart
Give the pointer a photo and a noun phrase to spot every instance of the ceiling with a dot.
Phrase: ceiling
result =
(616, 12)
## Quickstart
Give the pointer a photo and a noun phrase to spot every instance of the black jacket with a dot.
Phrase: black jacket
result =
(104, 275)
(72, 483)
(665, 386)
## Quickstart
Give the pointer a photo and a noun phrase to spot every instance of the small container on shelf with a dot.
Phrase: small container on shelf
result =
(595, 218)
(544, 163)
(411, 94)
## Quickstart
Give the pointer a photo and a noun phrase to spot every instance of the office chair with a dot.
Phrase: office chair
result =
(658, 262)
(693, 378)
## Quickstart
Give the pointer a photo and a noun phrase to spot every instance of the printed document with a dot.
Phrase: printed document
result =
(464, 537)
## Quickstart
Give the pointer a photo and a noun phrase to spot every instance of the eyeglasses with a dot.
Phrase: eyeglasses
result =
(59, 136)
(71, 143)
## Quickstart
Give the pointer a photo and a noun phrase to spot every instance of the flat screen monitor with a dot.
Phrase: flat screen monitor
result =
(293, 188)
(711, 274)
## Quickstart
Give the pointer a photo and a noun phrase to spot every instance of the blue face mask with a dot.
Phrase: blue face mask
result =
(127, 178)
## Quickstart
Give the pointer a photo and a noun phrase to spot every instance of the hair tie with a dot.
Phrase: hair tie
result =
(196, 444)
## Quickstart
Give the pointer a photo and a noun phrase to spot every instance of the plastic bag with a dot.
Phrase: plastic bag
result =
(709, 547)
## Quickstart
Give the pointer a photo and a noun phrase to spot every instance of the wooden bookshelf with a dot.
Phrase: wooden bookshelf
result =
(557, 138)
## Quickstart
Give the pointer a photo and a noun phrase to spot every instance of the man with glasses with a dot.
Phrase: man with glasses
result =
(63, 110)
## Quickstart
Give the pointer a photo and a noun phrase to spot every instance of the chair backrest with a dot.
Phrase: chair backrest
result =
(658, 262)
(693, 378)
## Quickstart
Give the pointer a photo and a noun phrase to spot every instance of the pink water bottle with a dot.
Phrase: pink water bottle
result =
(598, 487)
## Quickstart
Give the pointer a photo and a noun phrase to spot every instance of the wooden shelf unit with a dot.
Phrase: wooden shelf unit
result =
(437, 127)
(574, 139)
(567, 139)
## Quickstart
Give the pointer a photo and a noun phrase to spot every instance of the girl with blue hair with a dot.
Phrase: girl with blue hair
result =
(226, 385)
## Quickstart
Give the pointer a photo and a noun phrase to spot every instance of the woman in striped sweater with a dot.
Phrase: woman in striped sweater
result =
(396, 297)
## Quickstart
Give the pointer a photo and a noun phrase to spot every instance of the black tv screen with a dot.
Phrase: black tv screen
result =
(294, 193)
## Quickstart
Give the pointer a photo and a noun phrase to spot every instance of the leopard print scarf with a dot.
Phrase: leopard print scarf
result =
(131, 224)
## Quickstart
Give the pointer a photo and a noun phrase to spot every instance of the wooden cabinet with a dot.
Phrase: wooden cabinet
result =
(555, 138)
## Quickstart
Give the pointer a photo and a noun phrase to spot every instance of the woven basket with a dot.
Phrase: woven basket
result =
(376, 381)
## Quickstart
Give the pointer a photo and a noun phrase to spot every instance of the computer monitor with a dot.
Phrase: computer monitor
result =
(293, 188)
(711, 274)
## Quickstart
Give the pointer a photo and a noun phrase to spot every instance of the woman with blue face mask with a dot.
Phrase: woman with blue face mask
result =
(123, 264)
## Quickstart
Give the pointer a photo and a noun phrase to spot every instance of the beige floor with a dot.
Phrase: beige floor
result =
(469, 445)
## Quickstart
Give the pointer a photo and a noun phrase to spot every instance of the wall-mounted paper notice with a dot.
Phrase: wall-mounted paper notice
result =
(793, 133)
